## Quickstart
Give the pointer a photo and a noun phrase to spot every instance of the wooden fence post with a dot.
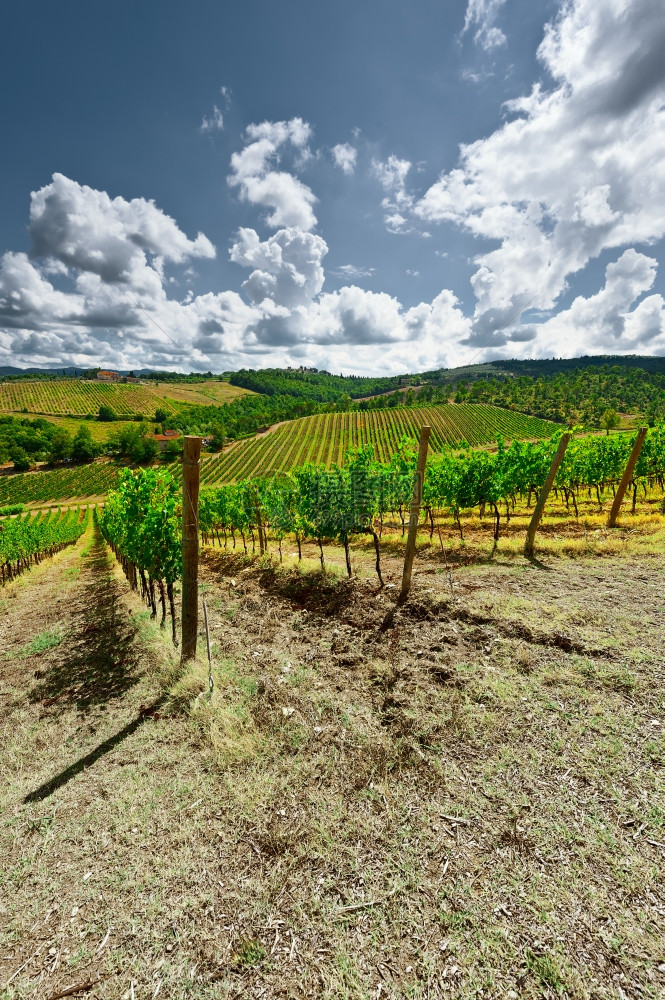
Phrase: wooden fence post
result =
(259, 528)
(190, 545)
(544, 493)
(626, 478)
(415, 512)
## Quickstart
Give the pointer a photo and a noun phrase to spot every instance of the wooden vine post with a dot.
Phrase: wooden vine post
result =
(544, 493)
(415, 512)
(626, 478)
(190, 545)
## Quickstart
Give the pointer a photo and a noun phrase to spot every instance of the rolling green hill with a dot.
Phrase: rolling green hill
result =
(78, 398)
(325, 438)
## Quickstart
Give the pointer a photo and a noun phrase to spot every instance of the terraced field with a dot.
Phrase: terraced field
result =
(325, 438)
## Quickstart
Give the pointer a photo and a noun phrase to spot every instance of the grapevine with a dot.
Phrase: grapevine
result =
(141, 523)
(332, 504)
(25, 541)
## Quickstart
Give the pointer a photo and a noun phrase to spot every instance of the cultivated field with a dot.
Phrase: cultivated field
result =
(73, 397)
(325, 438)
(54, 485)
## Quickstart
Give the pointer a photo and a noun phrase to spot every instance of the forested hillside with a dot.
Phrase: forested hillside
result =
(578, 396)
(311, 384)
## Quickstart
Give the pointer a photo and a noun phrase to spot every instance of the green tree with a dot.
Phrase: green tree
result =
(136, 442)
(160, 415)
(146, 449)
(21, 459)
(609, 420)
(173, 448)
(218, 435)
(105, 413)
(84, 448)
(60, 446)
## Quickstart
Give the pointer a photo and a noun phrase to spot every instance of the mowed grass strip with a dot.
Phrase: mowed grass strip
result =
(376, 802)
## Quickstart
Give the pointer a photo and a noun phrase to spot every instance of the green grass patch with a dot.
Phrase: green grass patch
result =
(40, 644)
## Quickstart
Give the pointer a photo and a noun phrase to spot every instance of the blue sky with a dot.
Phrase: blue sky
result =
(364, 186)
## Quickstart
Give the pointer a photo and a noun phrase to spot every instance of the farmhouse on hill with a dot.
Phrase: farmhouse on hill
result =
(163, 439)
(104, 376)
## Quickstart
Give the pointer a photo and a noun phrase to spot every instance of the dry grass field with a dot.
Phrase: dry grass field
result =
(460, 797)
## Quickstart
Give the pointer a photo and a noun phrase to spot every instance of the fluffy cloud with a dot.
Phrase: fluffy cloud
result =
(606, 322)
(110, 254)
(252, 172)
(87, 230)
(391, 174)
(481, 14)
(287, 267)
(573, 171)
(285, 287)
(345, 157)
(576, 172)
(112, 323)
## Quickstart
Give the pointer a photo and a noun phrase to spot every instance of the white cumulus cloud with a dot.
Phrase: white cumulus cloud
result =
(576, 172)
(252, 171)
(287, 267)
(87, 230)
(345, 157)
(609, 321)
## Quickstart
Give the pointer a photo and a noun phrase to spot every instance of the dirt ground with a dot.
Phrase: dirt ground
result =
(460, 797)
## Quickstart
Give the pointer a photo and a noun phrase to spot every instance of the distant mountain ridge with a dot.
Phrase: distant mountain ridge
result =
(8, 370)
(534, 367)
(540, 367)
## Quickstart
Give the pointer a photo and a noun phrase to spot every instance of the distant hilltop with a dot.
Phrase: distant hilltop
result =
(502, 368)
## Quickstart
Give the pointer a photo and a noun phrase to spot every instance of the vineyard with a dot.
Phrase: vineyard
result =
(80, 481)
(334, 504)
(480, 767)
(141, 523)
(25, 541)
(77, 398)
(141, 520)
(324, 439)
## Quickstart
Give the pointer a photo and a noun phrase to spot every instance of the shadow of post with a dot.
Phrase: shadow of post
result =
(89, 759)
(98, 659)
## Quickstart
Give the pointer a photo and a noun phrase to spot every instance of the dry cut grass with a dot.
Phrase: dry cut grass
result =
(460, 797)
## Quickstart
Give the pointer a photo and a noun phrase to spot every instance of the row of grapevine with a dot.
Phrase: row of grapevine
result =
(79, 398)
(142, 518)
(25, 541)
(141, 523)
(313, 502)
(325, 438)
(78, 481)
